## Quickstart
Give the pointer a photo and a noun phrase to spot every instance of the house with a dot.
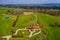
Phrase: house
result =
(33, 27)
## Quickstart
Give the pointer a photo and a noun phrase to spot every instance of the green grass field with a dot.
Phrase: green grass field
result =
(53, 32)
(24, 20)
(6, 23)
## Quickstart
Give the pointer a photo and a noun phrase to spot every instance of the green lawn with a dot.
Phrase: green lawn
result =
(53, 32)
(24, 20)
(5, 24)
(25, 34)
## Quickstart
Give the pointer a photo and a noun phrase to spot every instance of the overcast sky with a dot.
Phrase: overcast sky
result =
(28, 1)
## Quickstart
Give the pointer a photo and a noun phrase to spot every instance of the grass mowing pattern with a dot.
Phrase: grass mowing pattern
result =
(6, 25)
(24, 20)
(53, 32)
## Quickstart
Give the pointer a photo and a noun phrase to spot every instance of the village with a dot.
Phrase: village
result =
(35, 10)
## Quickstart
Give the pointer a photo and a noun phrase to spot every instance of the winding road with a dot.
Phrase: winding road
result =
(31, 32)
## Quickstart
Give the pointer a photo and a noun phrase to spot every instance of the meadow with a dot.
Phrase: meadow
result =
(51, 24)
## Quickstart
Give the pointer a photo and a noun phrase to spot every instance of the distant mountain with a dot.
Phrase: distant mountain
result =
(50, 5)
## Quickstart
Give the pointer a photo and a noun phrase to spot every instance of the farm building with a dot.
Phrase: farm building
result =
(33, 27)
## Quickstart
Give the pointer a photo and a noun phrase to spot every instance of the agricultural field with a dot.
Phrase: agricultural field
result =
(15, 26)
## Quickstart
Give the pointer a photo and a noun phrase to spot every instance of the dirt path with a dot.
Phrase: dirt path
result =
(37, 33)
(19, 30)
(7, 37)
(31, 32)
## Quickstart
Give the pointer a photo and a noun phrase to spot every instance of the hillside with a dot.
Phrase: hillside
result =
(49, 25)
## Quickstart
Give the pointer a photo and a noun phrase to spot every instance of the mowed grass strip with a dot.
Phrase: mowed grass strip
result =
(45, 18)
(24, 20)
(53, 32)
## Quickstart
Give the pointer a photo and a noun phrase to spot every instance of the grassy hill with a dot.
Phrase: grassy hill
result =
(53, 31)
(48, 21)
